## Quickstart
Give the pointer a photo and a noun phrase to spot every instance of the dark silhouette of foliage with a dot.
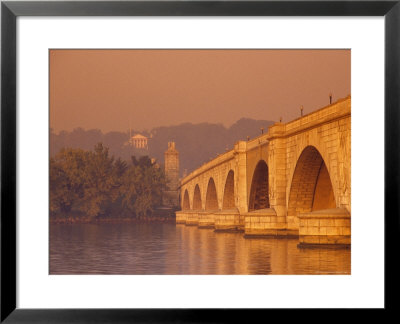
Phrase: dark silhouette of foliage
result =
(91, 184)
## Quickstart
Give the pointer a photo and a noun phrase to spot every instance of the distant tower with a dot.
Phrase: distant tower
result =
(171, 161)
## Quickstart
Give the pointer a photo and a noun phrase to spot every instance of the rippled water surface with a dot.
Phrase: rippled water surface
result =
(156, 248)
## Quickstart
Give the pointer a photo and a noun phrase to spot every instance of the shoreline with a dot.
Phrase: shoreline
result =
(152, 219)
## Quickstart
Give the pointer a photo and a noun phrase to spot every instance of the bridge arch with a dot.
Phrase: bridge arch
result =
(229, 192)
(328, 155)
(311, 187)
(197, 204)
(259, 197)
(186, 202)
(211, 196)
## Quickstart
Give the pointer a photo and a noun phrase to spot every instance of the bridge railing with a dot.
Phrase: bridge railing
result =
(338, 109)
(222, 158)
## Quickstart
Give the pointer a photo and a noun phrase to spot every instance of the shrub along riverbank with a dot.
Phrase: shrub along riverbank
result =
(159, 216)
(91, 186)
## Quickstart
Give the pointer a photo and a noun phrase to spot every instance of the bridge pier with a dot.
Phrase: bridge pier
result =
(192, 218)
(325, 227)
(181, 216)
(264, 222)
(229, 220)
(207, 218)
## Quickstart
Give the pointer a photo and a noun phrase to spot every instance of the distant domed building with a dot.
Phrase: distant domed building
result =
(139, 141)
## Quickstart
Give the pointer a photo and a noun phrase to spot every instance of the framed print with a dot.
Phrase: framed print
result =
(161, 159)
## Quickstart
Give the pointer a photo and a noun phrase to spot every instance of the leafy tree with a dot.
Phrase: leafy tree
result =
(92, 184)
(100, 183)
(61, 195)
(66, 174)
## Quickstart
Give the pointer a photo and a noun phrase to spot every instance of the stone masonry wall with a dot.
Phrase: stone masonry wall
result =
(327, 130)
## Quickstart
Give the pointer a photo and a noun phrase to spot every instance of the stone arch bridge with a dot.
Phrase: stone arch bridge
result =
(294, 180)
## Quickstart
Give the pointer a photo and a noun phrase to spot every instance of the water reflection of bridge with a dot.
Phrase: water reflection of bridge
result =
(295, 180)
(205, 252)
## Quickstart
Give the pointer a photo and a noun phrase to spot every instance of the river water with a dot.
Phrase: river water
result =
(160, 248)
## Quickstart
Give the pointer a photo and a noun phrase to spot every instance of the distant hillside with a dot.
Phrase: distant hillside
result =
(196, 143)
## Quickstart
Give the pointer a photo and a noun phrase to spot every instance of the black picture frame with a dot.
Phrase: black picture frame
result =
(10, 10)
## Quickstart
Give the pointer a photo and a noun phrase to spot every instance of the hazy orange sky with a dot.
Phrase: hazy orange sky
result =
(110, 89)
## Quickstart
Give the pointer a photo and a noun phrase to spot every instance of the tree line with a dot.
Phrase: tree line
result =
(196, 143)
(89, 185)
